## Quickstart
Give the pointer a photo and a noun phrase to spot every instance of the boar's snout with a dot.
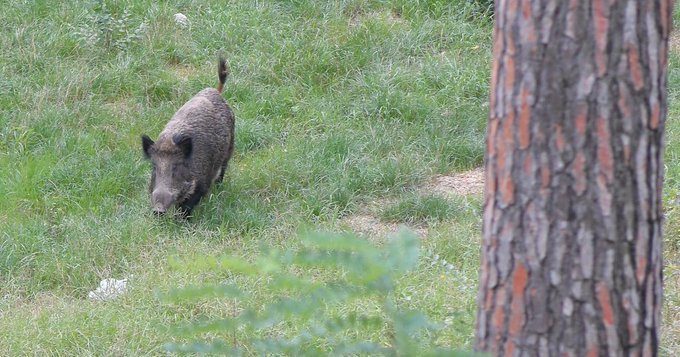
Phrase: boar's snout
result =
(162, 200)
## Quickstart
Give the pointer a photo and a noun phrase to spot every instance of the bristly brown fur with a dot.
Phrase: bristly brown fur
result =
(222, 73)
(193, 150)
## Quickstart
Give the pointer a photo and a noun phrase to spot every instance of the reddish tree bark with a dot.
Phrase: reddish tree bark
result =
(571, 256)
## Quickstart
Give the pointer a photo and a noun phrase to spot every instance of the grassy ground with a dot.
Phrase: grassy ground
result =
(338, 105)
(670, 328)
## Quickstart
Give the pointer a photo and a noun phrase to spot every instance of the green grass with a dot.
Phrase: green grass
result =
(424, 208)
(671, 274)
(337, 104)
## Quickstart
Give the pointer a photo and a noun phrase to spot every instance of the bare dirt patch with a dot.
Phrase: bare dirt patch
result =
(462, 184)
(674, 42)
(374, 229)
(368, 224)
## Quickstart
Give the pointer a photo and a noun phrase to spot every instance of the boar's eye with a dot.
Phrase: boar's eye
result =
(178, 171)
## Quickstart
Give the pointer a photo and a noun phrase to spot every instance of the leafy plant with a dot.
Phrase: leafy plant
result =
(482, 8)
(108, 30)
(364, 272)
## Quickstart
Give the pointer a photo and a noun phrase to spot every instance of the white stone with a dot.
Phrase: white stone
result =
(181, 19)
(108, 289)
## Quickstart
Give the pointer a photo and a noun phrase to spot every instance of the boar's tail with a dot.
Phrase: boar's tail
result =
(222, 73)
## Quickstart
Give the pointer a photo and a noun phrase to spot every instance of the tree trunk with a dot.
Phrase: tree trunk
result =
(571, 256)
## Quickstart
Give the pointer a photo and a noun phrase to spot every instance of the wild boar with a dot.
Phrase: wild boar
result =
(192, 152)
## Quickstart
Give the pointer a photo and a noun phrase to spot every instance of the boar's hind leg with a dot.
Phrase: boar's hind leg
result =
(222, 170)
(230, 150)
(187, 206)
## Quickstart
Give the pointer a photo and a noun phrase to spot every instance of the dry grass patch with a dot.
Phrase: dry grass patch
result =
(357, 18)
(183, 72)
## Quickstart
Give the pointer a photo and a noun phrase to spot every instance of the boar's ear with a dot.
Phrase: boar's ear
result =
(146, 145)
(183, 142)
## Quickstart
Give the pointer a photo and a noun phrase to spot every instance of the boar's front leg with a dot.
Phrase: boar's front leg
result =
(188, 205)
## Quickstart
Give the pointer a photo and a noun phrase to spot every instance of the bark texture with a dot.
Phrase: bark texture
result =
(571, 256)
